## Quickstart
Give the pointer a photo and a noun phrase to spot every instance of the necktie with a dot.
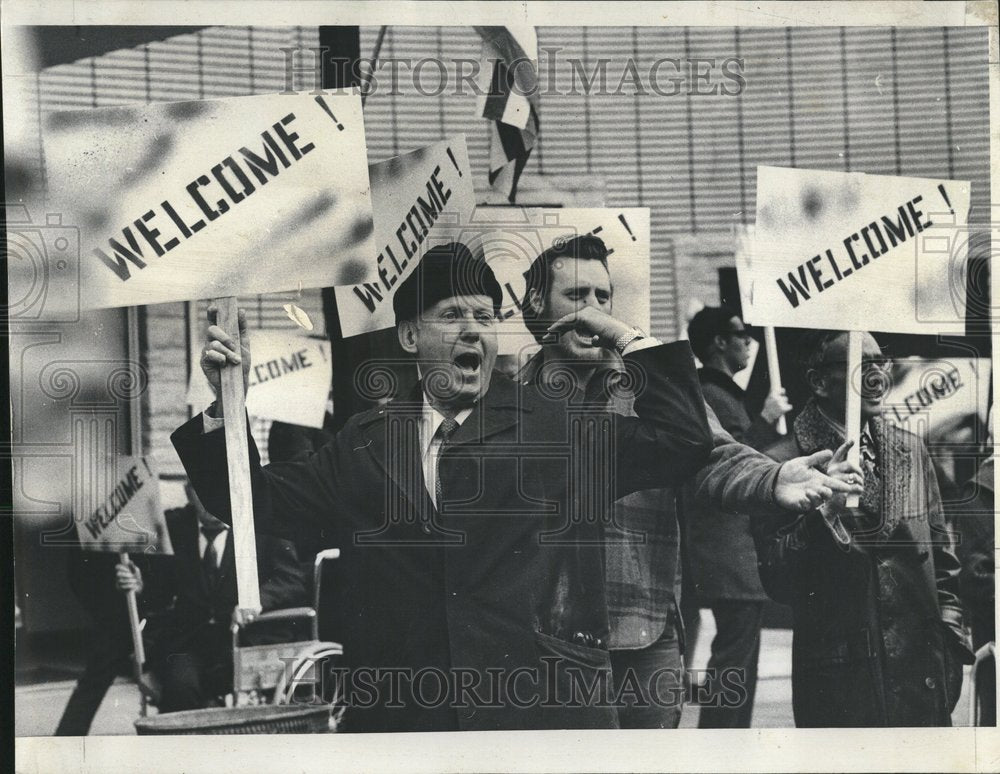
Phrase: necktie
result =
(444, 432)
(210, 559)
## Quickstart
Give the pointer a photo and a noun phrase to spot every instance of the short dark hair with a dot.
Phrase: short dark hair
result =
(812, 346)
(710, 322)
(538, 277)
(445, 271)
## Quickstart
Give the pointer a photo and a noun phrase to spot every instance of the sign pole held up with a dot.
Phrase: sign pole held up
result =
(852, 420)
(237, 457)
(138, 651)
(774, 373)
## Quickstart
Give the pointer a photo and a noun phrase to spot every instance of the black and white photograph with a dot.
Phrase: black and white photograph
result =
(612, 382)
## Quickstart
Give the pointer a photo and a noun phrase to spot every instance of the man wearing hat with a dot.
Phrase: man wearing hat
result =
(470, 539)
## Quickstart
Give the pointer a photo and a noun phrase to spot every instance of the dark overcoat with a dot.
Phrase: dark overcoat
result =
(502, 588)
(878, 636)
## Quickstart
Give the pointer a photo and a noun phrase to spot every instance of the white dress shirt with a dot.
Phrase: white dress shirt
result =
(430, 443)
(219, 541)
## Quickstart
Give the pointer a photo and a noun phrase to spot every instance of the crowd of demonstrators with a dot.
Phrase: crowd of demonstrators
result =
(719, 551)
(404, 489)
(519, 539)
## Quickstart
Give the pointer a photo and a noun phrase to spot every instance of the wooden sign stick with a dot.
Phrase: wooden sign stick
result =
(774, 373)
(237, 457)
(138, 651)
(852, 419)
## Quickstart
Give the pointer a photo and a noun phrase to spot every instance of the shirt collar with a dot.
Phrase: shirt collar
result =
(431, 420)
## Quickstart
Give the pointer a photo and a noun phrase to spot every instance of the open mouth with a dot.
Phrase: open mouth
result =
(469, 362)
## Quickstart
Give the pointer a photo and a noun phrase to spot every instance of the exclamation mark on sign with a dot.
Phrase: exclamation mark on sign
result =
(329, 112)
(945, 197)
(627, 228)
(452, 157)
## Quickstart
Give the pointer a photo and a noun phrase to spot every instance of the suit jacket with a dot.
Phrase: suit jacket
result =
(508, 575)
(185, 607)
(722, 555)
(642, 540)
(878, 638)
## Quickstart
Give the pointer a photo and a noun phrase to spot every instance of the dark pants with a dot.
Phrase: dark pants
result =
(197, 674)
(986, 692)
(110, 656)
(650, 683)
(732, 668)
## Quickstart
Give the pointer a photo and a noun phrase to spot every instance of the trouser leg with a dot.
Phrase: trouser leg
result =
(732, 668)
(650, 683)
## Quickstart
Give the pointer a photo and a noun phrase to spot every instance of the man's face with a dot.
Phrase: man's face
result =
(832, 384)
(736, 345)
(455, 344)
(575, 284)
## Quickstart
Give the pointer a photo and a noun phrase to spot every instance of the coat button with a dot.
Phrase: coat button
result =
(580, 638)
(930, 682)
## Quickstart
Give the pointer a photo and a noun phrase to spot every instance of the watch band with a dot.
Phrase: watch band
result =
(627, 338)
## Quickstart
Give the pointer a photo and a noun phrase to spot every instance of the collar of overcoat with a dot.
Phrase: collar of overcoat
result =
(392, 432)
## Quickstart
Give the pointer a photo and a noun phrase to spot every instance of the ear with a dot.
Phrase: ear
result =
(407, 333)
(719, 341)
(817, 383)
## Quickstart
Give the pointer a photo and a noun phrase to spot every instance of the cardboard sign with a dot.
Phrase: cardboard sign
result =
(849, 251)
(290, 377)
(187, 200)
(128, 516)
(511, 238)
(935, 398)
(414, 196)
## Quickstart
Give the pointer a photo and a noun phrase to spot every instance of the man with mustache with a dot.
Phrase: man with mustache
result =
(878, 637)
(476, 592)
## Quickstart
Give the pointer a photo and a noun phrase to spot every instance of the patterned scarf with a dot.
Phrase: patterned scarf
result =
(885, 461)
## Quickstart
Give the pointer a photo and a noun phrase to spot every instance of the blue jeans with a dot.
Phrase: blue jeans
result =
(649, 682)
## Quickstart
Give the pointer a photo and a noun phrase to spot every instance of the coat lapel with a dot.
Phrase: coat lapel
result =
(392, 435)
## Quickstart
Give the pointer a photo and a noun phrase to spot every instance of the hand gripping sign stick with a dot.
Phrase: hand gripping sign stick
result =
(852, 420)
(138, 651)
(774, 373)
(237, 455)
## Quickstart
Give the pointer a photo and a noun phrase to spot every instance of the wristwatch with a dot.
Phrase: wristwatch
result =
(627, 338)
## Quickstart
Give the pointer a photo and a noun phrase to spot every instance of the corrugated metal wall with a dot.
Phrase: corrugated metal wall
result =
(902, 101)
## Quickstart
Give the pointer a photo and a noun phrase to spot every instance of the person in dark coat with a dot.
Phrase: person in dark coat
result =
(473, 559)
(721, 556)
(191, 596)
(109, 639)
(878, 635)
(641, 541)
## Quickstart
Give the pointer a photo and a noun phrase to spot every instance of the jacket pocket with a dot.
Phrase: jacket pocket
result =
(576, 684)
(575, 654)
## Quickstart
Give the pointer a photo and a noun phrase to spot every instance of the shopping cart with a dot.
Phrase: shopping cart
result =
(278, 687)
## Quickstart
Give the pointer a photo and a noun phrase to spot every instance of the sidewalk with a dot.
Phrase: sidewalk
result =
(39, 707)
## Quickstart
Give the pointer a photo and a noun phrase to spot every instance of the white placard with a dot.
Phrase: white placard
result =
(189, 200)
(290, 376)
(415, 196)
(850, 251)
